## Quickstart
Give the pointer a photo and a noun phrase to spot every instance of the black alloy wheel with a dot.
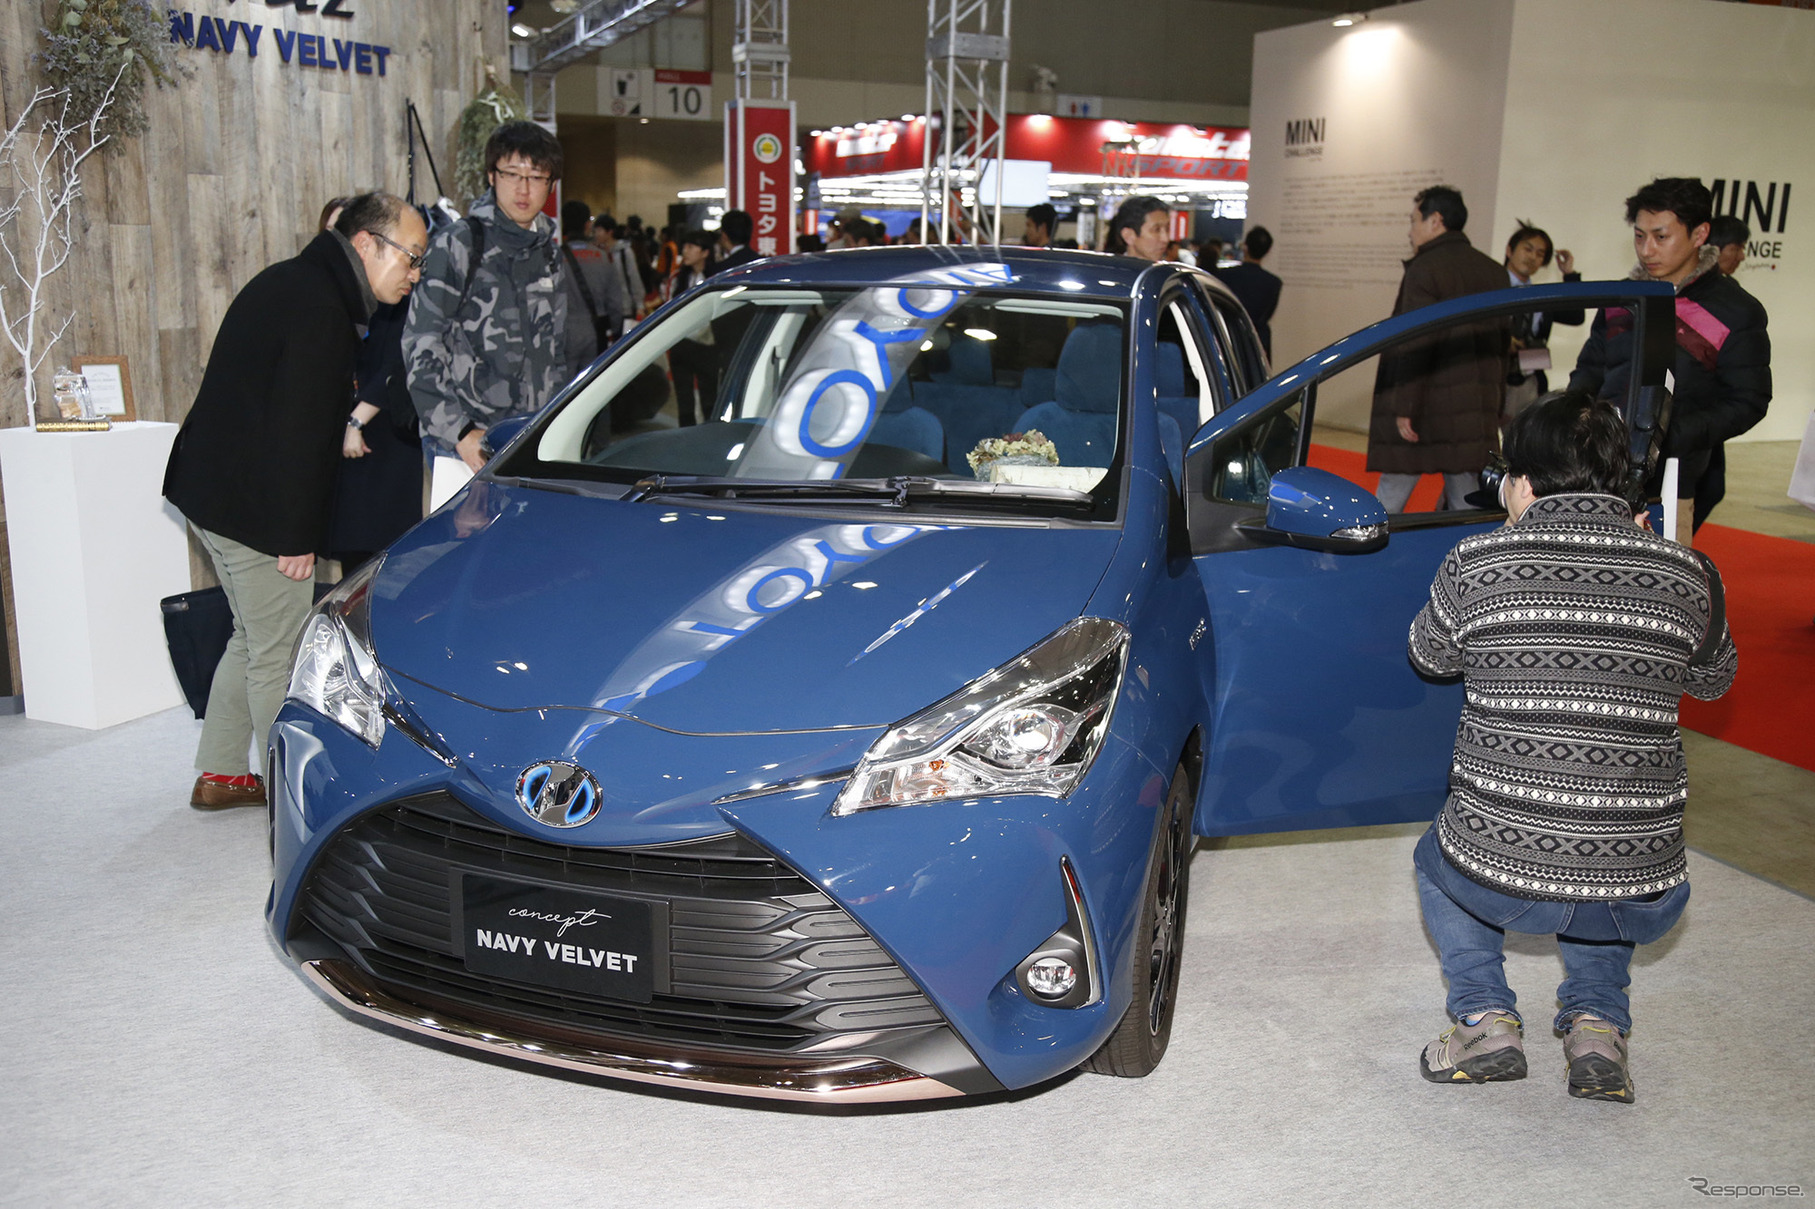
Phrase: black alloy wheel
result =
(1139, 1041)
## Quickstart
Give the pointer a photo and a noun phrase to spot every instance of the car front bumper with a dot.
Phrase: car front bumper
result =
(871, 960)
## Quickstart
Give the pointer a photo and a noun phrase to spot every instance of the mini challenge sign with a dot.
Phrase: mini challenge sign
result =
(759, 172)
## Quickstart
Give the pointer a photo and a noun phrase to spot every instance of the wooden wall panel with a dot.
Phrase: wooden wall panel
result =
(231, 175)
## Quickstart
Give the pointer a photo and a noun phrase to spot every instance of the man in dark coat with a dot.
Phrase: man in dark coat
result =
(1723, 353)
(1257, 288)
(1437, 399)
(253, 466)
(734, 232)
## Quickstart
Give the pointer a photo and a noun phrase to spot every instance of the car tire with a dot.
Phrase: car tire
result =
(1140, 1039)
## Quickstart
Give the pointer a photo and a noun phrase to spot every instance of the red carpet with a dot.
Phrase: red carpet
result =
(1354, 467)
(1770, 602)
(1770, 599)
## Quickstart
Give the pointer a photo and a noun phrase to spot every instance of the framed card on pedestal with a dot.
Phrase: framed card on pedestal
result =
(109, 385)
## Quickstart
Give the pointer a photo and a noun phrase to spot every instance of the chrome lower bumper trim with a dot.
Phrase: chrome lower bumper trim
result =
(851, 1079)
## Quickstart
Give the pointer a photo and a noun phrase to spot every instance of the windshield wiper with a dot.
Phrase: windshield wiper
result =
(891, 492)
(564, 487)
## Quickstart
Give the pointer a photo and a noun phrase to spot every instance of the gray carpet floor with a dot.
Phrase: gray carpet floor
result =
(160, 1051)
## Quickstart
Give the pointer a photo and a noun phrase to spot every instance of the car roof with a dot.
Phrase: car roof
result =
(1080, 274)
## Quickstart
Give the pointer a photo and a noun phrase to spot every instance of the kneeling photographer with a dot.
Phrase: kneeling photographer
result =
(1575, 632)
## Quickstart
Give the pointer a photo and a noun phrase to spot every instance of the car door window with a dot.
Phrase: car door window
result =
(1242, 464)
(1243, 376)
(1238, 335)
(1326, 425)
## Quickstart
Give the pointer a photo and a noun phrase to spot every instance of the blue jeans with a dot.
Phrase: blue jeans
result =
(1468, 922)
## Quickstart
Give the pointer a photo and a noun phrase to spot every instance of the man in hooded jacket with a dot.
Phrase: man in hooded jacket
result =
(487, 334)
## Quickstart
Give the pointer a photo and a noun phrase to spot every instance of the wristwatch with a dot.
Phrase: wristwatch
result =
(354, 422)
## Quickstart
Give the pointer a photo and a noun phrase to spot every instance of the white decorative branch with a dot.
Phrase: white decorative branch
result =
(40, 184)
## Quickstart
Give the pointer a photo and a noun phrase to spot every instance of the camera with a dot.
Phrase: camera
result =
(1492, 476)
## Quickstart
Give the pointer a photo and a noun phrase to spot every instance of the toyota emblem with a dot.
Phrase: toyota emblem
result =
(558, 793)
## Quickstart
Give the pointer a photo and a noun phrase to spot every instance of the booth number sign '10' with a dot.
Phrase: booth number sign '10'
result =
(658, 93)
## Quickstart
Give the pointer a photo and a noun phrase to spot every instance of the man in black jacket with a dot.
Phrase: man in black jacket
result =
(253, 467)
(1257, 288)
(734, 231)
(1723, 353)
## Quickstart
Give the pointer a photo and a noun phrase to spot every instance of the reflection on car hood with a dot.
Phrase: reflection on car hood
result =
(717, 621)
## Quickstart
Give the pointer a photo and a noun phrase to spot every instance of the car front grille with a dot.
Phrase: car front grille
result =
(759, 959)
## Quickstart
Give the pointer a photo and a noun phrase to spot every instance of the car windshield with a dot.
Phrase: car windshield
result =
(903, 394)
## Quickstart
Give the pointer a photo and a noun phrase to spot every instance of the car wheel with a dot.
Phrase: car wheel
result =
(1139, 1041)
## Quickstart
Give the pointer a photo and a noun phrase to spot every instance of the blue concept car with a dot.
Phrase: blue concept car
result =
(812, 751)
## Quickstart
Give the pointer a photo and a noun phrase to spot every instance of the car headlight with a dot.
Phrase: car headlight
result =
(336, 672)
(1033, 725)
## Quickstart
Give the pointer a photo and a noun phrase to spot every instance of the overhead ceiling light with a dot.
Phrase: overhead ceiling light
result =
(979, 333)
(1345, 20)
(522, 30)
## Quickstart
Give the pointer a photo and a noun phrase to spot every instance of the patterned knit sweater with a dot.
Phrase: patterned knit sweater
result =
(1573, 631)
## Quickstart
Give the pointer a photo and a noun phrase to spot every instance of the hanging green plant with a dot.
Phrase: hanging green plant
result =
(95, 45)
(498, 104)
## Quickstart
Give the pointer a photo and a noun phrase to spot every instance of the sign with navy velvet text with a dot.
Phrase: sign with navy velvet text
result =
(562, 937)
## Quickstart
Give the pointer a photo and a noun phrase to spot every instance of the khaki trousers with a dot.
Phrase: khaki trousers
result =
(249, 685)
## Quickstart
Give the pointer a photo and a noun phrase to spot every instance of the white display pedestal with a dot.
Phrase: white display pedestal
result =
(94, 548)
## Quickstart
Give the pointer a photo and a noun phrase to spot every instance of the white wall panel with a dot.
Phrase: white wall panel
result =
(1551, 110)
(1412, 97)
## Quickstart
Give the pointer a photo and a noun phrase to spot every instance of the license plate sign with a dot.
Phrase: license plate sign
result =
(557, 936)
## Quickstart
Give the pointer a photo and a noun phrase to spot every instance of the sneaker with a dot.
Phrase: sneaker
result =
(215, 792)
(1491, 1050)
(1596, 1052)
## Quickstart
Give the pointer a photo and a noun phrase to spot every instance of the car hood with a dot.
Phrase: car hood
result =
(710, 621)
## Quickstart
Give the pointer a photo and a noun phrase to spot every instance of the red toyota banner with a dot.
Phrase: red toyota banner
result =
(759, 171)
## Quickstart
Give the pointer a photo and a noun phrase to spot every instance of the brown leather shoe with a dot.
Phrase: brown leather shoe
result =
(213, 795)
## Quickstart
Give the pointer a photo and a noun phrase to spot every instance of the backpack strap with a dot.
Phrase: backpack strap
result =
(476, 232)
(579, 279)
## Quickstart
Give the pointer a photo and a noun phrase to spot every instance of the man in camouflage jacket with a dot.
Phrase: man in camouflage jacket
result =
(487, 341)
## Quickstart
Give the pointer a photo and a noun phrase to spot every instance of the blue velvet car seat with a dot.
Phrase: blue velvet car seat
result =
(1169, 385)
(970, 364)
(1177, 410)
(1038, 383)
(906, 426)
(967, 402)
(1081, 418)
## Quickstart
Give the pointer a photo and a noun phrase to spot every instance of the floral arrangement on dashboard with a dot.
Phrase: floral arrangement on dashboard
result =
(1030, 448)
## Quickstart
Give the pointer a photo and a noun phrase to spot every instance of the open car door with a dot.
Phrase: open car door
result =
(1318, 719)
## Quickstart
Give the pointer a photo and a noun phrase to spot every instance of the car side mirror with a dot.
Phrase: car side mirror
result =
(1316, 510)
(504, 431)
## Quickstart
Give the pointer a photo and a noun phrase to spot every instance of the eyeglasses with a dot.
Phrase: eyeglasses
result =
(415, 260)
(535, 179)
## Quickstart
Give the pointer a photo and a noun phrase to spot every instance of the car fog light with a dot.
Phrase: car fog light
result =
(1052, 977)
(1062, 973)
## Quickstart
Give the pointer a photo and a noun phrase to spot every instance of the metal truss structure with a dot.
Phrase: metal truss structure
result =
(595, 25)
(759, 50)
(966, 102)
